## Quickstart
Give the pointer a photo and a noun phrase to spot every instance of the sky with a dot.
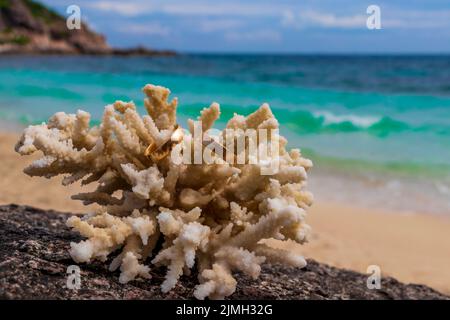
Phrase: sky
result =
(262, 26)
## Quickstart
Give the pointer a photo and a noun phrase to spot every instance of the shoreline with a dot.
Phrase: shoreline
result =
(412, 247)
(386, 192)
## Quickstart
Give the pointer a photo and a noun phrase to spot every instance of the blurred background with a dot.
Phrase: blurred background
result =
(370, 107)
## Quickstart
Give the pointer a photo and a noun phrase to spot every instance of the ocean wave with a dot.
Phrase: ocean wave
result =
(325, 121)
(358, 121)
(299, 121)
(316, 122)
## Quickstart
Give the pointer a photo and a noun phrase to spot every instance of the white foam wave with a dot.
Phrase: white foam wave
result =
(359, 121)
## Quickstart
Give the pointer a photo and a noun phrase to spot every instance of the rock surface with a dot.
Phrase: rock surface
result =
(29, 27)
(34, 259)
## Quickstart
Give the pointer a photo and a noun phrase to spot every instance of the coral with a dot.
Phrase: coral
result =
(184, 199)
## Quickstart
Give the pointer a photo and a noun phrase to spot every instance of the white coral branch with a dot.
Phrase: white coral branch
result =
(208, 217)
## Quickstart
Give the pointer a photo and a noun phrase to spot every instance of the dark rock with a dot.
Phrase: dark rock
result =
(17, 14)
(142, 51)
(34, 259)
(28, 27)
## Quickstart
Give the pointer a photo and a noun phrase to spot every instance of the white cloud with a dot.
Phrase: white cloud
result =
(390, 18)
(330, 20)
(416, 19)
(186, 8)
(288, 18)
(152, 29)
(122, 8)
(219, 9)
(291, 14)
(310, 18)
(212, 25)
(259, 35)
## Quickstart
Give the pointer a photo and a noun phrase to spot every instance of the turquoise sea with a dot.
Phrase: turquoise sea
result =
(382, 120)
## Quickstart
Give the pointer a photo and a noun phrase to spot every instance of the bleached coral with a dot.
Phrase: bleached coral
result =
(211, 216)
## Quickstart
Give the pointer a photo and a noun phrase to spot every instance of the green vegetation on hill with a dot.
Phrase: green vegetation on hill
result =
(38, 17)
(15, 39)
(41, 12)
(4, 4)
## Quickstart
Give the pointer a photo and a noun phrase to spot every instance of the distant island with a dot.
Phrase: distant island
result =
(28, 27)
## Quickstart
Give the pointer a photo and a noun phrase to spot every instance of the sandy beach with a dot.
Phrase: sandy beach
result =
(411, 247)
